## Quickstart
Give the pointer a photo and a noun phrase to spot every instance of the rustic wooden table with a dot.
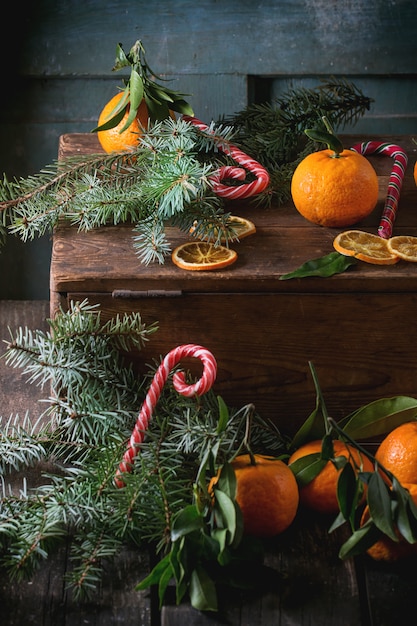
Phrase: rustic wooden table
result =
(375, 306)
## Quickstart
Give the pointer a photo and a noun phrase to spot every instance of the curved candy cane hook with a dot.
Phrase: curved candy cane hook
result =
(389, 213)
(237, 173)
(161, 375)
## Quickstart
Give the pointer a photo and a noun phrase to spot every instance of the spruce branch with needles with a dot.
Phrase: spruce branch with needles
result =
(166, 179)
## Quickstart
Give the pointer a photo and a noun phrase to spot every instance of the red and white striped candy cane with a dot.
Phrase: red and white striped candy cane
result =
(389, 213)
(237, 173)
(161, 375)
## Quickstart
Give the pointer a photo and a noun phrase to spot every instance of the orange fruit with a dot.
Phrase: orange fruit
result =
(386, 549)
(201, 255)
(267, 494)
(320, 494)
(334, 191)
(365, 246)
(112, 140)
(397, 452)
(404, 246)
(415, 172)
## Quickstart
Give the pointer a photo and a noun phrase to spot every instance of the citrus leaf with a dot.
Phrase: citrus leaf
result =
(181, 106)
(347, 492)
(227, 480)
(112, 122)
(405, 515)
(121, 59)
(154, 576)
(203, 595)
(379, 417)
(136, 90)
(380, 505)
(331, 140)
(359, 541)
(223, 415)
(136, 97)
(187, 521)
(307, 467)
(325, 266)
(163, 584)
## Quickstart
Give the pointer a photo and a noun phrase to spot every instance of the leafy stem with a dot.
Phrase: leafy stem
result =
(328, 137)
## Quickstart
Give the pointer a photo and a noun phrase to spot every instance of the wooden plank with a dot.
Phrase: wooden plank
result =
(301, 36)
(17, 396)
(45, 599)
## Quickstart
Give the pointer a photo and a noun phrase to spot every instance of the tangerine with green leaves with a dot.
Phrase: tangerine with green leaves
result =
(397, 452)
(334, 187)
(266, 492)
(320, 494)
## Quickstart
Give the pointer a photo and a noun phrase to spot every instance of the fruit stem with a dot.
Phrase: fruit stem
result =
(362, 450)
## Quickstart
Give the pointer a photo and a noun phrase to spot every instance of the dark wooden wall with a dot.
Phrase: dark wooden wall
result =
(57, 57)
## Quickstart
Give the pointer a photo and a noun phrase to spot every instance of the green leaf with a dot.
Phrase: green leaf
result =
(331, 140)
(348, 492)
(163, 584)
(223, 415)
(325, 266)
(112, 122)
(380, 505)
(155, 575)
(230, 515)
(379, 417)
(121, 58)
(183, 107)
(307, 467)
(187, 521)
(360, 540)
(406, 512)
(135, 99)
(227, 480)
(203, 595)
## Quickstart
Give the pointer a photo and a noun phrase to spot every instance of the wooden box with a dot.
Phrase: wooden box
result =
(358, 328)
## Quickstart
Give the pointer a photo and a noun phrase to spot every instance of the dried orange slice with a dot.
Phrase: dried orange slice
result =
(241, 226)
(404, 246)
(365, 246)
(201, 255)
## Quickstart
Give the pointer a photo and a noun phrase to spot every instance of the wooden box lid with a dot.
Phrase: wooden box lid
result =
(104, 260)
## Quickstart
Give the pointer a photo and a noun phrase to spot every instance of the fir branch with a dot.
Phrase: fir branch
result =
(80, 447)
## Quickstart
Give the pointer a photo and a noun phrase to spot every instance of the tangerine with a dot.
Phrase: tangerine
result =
(267, 494)
(397, 452)
(320, 494)
(386, 549)
(334, 190)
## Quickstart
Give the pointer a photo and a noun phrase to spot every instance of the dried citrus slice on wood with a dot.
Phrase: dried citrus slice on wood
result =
(365, 246)
(404, 246)
(241, 226)
(201, 255)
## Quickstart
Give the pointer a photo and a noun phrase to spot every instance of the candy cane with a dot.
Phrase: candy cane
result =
(199, 388)
(389, 213)
(234, 192)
